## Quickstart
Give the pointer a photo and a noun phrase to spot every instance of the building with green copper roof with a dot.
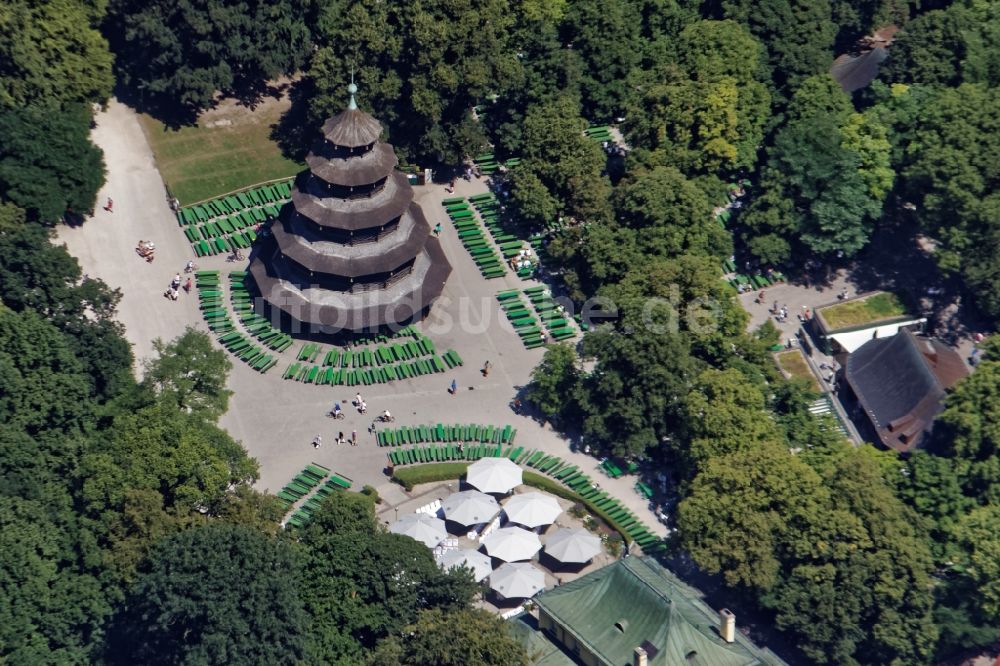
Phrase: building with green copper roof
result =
(602, 618)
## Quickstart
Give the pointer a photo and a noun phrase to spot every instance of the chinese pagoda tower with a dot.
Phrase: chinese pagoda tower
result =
(352, 251)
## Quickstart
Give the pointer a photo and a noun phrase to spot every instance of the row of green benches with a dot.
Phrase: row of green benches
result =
(470, 233)
(256, 325)
(599, 133)
(316, 374)
(213, 309)
(446, 433)
(549, 312)
(270, 197)
(553, 466)
(365, 358)
(525, 325)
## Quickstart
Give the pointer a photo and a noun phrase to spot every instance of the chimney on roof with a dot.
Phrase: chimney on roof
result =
(727, 625)
(639, 657)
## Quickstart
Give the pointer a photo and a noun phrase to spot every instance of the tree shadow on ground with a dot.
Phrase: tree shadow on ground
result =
(293, 132)
(901, 260)
(175, 115)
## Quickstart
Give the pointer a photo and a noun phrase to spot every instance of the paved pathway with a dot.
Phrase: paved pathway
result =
(105, 244)
(276, 420)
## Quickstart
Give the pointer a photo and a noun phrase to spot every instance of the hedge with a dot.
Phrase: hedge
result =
(415, 474)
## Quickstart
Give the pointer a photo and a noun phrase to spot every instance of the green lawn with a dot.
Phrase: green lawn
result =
(863, 311)
(201, 162)
(795, 365)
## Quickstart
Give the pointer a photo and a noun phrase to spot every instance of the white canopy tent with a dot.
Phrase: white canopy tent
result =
(511, 544)
(517, 581)
(480, 564)
(470, 507)
(573, 546)
(426, 529)
(494, 475)
(532, 509)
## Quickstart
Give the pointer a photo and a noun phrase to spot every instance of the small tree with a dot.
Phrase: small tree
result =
(191, 373)
(553, 382)
(454, 638)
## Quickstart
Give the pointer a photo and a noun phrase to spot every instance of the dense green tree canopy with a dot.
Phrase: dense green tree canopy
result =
(176, 55)
(471, 637)
(217, 594)
(562, 171)
(946, 47)
(47, 164)
(420, 68)
(950, 178)
(51, 53)
(671, 214)
(365, 583)
(704, 108)
(797, 34)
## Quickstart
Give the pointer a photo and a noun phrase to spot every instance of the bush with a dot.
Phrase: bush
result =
(371, 492)
(411, 476)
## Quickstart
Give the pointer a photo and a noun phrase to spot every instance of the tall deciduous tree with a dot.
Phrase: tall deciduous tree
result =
(191, 373)
(178, 55)
(48, 165)
(421, 68)
(51, 54)
(671, 214)
(218, 594)
(365, 583)
(798, 35)
(470, 637)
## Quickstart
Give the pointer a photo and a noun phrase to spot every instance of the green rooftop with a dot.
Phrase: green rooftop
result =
(636, 602)
(877, 307)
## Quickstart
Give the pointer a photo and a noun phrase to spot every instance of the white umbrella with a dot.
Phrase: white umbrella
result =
(532, 509)
(494, 475)
(470, 507)
(511, 544)
(573, 546)
(517, 581)
(428, 530)
(471, 559)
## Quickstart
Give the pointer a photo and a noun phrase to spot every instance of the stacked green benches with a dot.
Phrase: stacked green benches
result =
(510, 245)
(524, 323)
(452, 359)
(611, 469)
(598, 133)
(551, 313)
(242, 303)
(354, 367)
(211, 303)
(335, 483)
(228, 223)
(304, 483)
(487, 163)
(472, 237)
(443, 433)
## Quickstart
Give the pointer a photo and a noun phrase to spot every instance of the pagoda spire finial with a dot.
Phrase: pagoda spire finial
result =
(353, 104)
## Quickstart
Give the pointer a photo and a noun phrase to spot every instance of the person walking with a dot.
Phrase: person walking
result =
(354, 438)
(187, 286)
(357, 399)
(317, 441)
(486, 369)
(363, 407)
(340, 437)
(437, 229)
(454, 387)
(109, 206)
